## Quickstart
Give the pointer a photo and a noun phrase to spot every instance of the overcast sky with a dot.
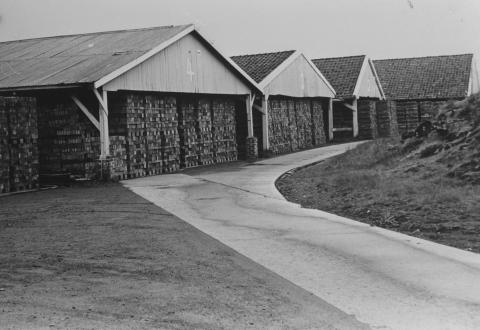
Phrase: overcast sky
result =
(320, 28)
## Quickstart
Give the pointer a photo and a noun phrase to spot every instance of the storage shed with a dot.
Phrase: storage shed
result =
(358, 88)
(292, 112)
(420, 85)
(144, 101)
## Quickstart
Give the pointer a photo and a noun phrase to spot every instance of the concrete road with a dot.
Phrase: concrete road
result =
(386, 279)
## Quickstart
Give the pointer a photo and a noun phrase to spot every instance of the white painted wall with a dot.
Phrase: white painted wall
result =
(299, 79)
(186, 66)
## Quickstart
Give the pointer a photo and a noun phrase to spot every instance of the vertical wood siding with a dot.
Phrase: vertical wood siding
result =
(299, 80)
(368, 85)
(186, 66)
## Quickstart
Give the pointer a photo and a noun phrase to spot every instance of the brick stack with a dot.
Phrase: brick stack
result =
(318, 130)
(205, 147)
(170, 138)
(292, 130)
(278, 126)
(19, 144)
(150, 126)
(367, 119)
(224, 131)
(408, 116)
(136, 142)
(187, 129)
(387, 124)
(4, 149)
(68, 141)
(118, 154)
(303, 116)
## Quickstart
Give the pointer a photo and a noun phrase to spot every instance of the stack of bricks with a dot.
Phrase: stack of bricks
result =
(4, 149)
(387, 124)
(136, 142)
(19, 144)
(408, 116)
(187, 129)
(68, 141)
(118, 154)
(170, 139)
(279, 126)
(291, 142)
(224, 131)
(318, 130)
(367, 119)
(205, 147)
(149, 124)
(304, 123)
(252, 148)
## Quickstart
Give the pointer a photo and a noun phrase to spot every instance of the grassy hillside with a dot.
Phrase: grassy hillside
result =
(427, 187)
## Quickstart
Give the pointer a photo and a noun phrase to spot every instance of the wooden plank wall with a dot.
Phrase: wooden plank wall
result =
(186, 66)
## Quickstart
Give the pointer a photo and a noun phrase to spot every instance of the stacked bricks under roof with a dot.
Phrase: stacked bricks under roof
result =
(18, 144)
(295, 124)
(164, 133)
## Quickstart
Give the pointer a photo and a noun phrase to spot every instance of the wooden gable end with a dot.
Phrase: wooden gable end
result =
(186, 66)
(368, 86)
(299, 79)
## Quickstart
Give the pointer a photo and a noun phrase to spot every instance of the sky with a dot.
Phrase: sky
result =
(319, 28)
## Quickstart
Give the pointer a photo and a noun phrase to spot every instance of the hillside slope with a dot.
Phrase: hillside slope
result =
(426, 186)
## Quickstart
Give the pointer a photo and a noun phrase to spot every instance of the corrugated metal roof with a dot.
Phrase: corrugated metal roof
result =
(259, 66)
(432, 77)
(341, 72)
(76, 59)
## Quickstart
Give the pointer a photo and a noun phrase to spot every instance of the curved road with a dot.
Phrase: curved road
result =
(386, 279)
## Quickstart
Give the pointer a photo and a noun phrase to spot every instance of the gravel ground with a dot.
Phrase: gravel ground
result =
(101, 257)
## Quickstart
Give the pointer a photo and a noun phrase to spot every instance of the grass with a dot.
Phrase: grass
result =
(378, 183)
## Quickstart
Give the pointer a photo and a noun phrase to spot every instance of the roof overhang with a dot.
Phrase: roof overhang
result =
(44, 87)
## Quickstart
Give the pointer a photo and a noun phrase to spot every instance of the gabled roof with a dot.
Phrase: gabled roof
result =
(342, 72)
(92, 58)
(432, 77)
(265, 67)
(259, 66)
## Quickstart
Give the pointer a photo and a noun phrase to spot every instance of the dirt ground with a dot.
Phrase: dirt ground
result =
(378, 185)
(100, 257)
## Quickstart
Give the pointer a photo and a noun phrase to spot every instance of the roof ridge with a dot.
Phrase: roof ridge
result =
(98, 32)
(419, 57)
(338, 57)
(268, 53)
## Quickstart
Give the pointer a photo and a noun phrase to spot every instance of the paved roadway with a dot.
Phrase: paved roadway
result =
(386, 279)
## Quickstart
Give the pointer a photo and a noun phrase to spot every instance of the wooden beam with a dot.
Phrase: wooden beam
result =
(266, 141)
(258, 108)
(100, 100)
(86, 112)
(355, 118)
(342, 129)
(330, 119)
(249, 115)
(103, 119)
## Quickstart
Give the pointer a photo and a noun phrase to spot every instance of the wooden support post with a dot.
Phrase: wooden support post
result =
(266, 142)
(249, 116)
(355, 117)
(85, 111)
(330, 119)
(103, 116)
